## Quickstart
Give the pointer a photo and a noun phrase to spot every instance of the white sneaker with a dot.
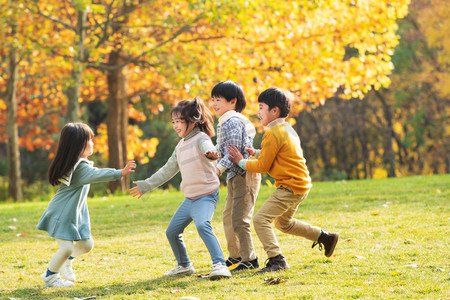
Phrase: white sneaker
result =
(180, 270)
(55, 281)
(67, 271)
(219, 270)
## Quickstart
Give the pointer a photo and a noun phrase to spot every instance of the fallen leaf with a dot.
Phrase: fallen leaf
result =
(438, 269)
(275, 280)
(203, 275)
(349, 240)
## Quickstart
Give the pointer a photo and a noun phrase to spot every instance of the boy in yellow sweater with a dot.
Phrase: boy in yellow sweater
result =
(282, 157)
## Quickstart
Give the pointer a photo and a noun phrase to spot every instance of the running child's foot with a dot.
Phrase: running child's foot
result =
(180, 270)
(276, 263)
(247, 265)
(67, 271)
(328, 240)
(55, 281)
(219, 270)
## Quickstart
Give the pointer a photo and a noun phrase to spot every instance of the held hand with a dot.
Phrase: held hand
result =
(135, 191)
(235, 155)
(250, 151)
(212, 155)
(129, 168)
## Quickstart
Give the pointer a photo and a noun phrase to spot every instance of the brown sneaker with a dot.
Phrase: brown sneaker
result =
(328, 240)
(273, 264)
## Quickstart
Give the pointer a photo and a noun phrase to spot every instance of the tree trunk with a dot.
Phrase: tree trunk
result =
(73, 90)
(389, 153)
(116, 120)
(13, 154)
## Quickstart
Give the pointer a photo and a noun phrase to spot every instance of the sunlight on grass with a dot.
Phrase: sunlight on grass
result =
(393, 244)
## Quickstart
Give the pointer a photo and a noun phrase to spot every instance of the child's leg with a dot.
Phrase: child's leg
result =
(277, 204)
(287, 224)
(58, 259)
(242, 212)
(202, 211)
(232, 241)
(177, 224)
(82, 247)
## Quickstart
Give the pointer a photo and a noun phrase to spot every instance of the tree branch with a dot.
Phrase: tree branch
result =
(56, 20)
(105, 67)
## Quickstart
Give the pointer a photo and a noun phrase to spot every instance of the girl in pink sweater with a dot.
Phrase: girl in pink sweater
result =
(192, 120)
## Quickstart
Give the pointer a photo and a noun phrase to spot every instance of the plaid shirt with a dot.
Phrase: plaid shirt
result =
(232, 133)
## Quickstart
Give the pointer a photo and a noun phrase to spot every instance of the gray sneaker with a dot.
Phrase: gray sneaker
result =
(180, 270)
(55, 281)
(219, 270)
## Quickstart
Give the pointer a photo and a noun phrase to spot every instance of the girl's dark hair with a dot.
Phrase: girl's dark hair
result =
(73, 140)
(195, 111)
(230, 90)
(276, 97)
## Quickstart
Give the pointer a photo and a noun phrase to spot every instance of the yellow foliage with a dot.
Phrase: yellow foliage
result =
(379, 173)
(138, 149)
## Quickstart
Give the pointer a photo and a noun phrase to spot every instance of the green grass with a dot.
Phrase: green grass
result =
(394, 243)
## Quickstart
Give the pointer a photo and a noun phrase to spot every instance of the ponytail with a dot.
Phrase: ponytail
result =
(195, 111)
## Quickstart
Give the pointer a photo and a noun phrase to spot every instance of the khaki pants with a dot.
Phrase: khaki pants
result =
(242, 191)
(280, 209)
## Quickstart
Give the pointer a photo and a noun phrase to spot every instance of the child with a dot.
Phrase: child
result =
(67, 217)
(200, 184)
(282, 157)
(242, 187)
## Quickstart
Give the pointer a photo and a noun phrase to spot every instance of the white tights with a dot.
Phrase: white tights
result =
(68, 248)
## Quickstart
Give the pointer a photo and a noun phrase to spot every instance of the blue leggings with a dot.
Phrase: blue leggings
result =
(201, 211)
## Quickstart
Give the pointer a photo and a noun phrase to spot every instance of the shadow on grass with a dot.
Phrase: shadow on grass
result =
(173, 284)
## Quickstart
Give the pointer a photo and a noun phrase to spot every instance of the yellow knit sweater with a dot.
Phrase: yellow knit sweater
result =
(282, 157)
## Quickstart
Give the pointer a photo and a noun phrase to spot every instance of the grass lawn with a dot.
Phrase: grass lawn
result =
(394, 243)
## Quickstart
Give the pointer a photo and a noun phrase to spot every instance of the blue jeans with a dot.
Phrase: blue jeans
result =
(201, 211)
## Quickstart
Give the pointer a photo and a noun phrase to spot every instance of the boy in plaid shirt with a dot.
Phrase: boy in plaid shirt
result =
(228, 101)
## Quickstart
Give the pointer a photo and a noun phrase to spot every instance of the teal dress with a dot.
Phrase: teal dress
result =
(67, 214)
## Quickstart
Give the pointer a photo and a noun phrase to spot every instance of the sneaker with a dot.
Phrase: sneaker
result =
(180, 270)
(67, 271)
(247, 265)
(273, 264)
(232, 261)
(55, 281)
(219, 270)
(328, 240)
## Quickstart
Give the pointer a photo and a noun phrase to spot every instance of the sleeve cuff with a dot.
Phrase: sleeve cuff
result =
(221, 168)
(242, 163)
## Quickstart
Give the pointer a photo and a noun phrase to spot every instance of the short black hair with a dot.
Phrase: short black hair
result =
(230, 90)
(276, 97)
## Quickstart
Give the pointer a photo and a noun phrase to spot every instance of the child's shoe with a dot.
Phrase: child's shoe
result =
(328, 240)
(67, 271)
(55, 281)
(219, 270)
(232, 261)
(247, 265)
(273, 264)
(180, 270)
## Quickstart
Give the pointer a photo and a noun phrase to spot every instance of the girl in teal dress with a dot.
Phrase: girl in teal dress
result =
(67, 216)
